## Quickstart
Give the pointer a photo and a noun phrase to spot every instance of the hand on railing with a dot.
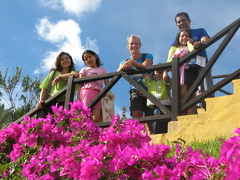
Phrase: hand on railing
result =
(40, 104)
(56, 80)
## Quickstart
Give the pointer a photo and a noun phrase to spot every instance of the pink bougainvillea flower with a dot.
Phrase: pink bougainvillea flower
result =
(237, 131)
(90, 168)
(69, 145)
(148, 175)
(230, 148)
(18, 151)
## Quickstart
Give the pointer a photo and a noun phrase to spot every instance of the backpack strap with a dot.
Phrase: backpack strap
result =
(49, 85)
(143, 56)
(143, 59)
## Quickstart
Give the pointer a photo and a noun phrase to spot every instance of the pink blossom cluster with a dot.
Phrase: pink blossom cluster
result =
(68, 145)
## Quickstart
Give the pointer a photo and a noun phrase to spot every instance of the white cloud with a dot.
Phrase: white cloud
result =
(53, 4)
(65, 35)
(92, 44)
(77, 7)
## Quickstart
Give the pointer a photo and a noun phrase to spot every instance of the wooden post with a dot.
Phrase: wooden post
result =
(175, 89)
(69, 92)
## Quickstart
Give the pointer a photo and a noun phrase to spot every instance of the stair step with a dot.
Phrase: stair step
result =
(201, 110)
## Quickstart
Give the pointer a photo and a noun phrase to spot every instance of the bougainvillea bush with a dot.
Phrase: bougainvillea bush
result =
(68, 145)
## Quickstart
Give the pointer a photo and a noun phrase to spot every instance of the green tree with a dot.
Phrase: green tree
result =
(5, 116)
(19, 91)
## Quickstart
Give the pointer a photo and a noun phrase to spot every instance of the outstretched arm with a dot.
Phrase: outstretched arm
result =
(129, 63)
(165, 76)
(41, 98)
(63, 76)
(106, 81)
(204, 39)
(171, 51)
(136, 64)
(123, 67)
(198, 43)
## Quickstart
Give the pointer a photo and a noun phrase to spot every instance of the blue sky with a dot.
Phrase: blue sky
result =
(32, 33)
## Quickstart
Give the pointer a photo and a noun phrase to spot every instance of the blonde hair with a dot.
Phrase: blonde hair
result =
(134, 36)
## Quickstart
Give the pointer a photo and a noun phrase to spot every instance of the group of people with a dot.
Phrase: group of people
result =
(57, 80)
(157, 83)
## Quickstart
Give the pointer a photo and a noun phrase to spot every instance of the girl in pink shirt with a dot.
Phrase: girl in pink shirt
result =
(88, 91)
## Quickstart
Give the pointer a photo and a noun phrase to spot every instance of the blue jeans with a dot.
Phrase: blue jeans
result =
(160, 127)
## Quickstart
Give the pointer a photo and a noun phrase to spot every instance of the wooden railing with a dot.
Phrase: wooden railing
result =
(177, 106)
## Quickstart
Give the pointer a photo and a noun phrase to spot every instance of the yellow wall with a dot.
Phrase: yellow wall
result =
(221, 118)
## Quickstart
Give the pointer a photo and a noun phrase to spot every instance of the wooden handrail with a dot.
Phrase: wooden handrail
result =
(177, 106)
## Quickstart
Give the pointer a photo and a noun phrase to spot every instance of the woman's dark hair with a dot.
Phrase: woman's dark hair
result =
(58, 66)
(176, 42)
(98, 62)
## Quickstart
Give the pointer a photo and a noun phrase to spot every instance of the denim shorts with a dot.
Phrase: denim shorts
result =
(162, 126)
